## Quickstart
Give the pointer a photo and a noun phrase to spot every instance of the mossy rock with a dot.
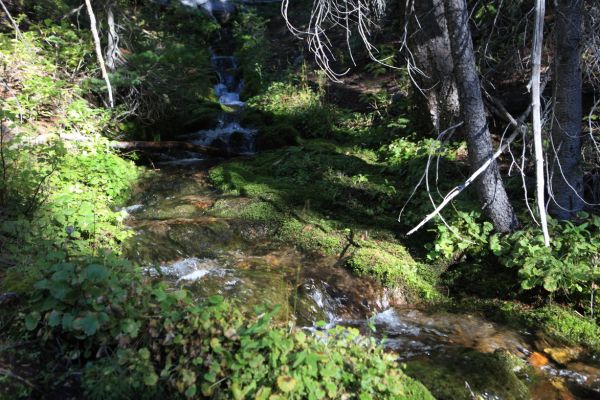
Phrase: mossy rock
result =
(247, 209)
(310, 237)
(393, 270)
(256, 118)
(497, 375)
(204, 116)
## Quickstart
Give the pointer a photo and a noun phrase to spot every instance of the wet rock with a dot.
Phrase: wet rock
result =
(537, 359)
(563, 355)
(8, 298)
(466, 375)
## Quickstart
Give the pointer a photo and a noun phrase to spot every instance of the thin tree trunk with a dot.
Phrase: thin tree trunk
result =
(430, 46)
(112, 49)
(12, 21)
(536, 67)
(567, 176)
(93, 27)
(489, 184)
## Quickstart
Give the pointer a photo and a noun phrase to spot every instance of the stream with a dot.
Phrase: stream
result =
(179, 237)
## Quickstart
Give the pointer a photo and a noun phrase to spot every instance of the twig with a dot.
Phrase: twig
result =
(10, 374)
(518, 125)
(76, 10)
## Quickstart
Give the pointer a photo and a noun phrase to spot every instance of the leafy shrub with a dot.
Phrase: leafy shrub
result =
(571, 263)
(164, 340)
(82, 119)
(252, 51)
(70, 46)
(467, 232)
(85, 298)
(212, 351)
(66, 197)
(278, 135)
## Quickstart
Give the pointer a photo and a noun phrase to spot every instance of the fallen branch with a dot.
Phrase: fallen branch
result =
(519, 129)
(172, 145)
(10, 374)
(131, 145)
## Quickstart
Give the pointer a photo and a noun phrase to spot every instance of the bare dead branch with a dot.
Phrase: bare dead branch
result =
(98, 46)
(536, 56)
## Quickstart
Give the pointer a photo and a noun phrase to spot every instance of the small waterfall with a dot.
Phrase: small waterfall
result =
(228, 134)
(229, 87)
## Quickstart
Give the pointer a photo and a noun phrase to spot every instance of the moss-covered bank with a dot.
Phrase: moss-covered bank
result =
(319, 197)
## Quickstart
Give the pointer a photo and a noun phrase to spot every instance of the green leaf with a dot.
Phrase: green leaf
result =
(31, 320)
(88, 324)
(550, 283)
(263, 393)
(300, 337)
(64, 272)
(286, 383)
(54, 319)
(96, 273)
(67, 321)
(179, 294)
(150, 379)
(130, 327)
(59, 290)
(216, 299)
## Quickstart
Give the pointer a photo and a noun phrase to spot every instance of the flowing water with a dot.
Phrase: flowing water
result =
(182, 237)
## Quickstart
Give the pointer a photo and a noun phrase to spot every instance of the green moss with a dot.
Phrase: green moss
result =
(245, 208)
(298, 106)
(496, 374)
(203, 116)
(278, 135)
(321, 196)
(566, 325)
(392, 270)
(311, 238)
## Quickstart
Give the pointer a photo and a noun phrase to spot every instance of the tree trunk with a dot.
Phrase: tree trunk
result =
(112, 49)
(489, 184)
(430, 46)
(566, 173)
(536, 112)
(98, 48)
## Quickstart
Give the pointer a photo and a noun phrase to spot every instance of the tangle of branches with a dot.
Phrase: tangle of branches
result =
(352, 16)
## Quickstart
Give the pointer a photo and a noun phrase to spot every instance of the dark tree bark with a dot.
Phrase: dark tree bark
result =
(430, 46)
(112, 48)
(565, 169)
(489, 184)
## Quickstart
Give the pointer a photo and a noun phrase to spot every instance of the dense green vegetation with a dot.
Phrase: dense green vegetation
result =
(78, 319)
(101, 327)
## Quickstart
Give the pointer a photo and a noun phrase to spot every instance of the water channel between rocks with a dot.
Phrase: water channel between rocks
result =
(181, 238)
